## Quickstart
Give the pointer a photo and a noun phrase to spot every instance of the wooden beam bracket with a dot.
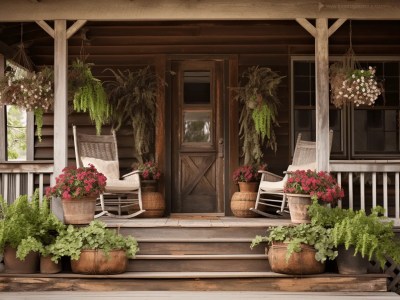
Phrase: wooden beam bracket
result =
(70, 31)
(313, 31)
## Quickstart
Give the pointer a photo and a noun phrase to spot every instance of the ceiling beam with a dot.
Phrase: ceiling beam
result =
(141, 10)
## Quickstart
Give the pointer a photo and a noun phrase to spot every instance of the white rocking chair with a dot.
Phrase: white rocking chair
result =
(270, 192)
(120, 194)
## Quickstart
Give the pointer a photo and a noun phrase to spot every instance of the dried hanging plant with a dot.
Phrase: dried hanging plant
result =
(132, 96)
(258, 117)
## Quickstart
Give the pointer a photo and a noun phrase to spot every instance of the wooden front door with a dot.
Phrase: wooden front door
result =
(198, 145)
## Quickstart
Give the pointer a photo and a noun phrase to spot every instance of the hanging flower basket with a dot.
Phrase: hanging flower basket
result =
(33, 92)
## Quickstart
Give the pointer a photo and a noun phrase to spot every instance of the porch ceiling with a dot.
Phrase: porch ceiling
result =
(29, 10)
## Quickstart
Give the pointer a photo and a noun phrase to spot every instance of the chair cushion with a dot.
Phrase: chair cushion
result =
(273, 186)
(115, 185)
(108, 168)
(310, 166)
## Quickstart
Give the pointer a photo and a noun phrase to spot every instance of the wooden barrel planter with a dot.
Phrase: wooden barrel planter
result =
(299, 263)
(154, 204)
(298, 205)
(47, 266)
(242, 201)
(14, 265)
(96, 262)
(79, 211)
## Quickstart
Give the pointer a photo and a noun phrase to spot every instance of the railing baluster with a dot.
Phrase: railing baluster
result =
(30, 184)
(385, 193)
(396, 188)
(374, 189)
(351, 204)
(41, 187)
(17, 185)
(362, 190)
(5, 188)
(339, 180)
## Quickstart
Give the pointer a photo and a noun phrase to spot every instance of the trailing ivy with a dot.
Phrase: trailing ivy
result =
(88, 94)
(258, 96)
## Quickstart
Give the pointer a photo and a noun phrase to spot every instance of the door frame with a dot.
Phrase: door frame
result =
(229, 123)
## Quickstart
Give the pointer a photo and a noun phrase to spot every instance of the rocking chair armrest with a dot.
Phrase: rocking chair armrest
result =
(268, 176)
(131, 173)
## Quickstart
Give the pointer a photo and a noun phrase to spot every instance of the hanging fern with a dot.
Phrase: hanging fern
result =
(258, 117)
(132, 96)
(89, 94)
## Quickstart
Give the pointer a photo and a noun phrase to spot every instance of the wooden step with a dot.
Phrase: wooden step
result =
(200, 263)
(194, 281)
(199, 246)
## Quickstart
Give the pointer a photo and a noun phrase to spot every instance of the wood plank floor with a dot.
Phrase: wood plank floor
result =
(151, 295)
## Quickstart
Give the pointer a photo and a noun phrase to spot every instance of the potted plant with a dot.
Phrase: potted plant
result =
(94, 249)
(303, 185)
(247, 177)
(259, 113)
(24, 225)
(153, 202)
(31, 92)
(79, 189)
(301, 249)
(88, 93)
(359, 237)
(132, 96)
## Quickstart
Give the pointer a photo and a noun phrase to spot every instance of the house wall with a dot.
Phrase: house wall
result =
(133, 44)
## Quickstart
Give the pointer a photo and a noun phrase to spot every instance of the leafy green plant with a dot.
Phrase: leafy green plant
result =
(27, 225)
(258, 117)
(312, 235)
(132, 96)
(88, 94)
(94, 237)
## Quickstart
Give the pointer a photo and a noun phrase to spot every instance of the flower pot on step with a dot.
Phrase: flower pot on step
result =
(298, 206)
(241, 202)
(47, 266)
(14, 265)
(97, 262)
(153, 204)
(79, 211)
(350, 264)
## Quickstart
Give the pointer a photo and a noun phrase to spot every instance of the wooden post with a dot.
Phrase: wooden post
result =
(3, 127)
(60, 105)
(322, 94)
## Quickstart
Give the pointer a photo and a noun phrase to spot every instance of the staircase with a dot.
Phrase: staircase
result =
(195, 255)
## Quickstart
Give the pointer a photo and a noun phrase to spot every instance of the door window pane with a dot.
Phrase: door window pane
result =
(197, 127)
(197, 87)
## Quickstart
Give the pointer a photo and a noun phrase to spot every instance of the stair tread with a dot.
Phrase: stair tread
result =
(178, 275)
(195, 240)
(201, 256)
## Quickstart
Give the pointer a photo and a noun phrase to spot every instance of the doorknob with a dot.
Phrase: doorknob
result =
(221, 147)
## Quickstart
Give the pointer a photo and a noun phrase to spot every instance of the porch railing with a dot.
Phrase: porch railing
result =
(18, 178)
(369, 183)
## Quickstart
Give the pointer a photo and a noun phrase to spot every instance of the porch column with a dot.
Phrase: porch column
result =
(3, 127)
(322, 94)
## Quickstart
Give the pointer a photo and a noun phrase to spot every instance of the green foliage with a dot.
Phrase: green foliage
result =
(96, 237)
(132, 96)
(258, 117)
(26, 224)
(294, 236)
(16, 132)
(89, 94)
(327, 216)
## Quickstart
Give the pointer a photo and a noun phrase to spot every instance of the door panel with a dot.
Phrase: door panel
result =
(197, 137)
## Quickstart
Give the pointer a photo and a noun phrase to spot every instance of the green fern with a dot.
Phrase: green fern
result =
(89, 94)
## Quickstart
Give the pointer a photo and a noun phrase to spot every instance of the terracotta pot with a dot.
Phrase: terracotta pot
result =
(14, 265)
(298, 205)
(79, 211)
(148, 185)
(47, 266)
(349, 264)
(241, 203)
(154, 204)
(96, 262)
(248, 186)
(299, 263)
